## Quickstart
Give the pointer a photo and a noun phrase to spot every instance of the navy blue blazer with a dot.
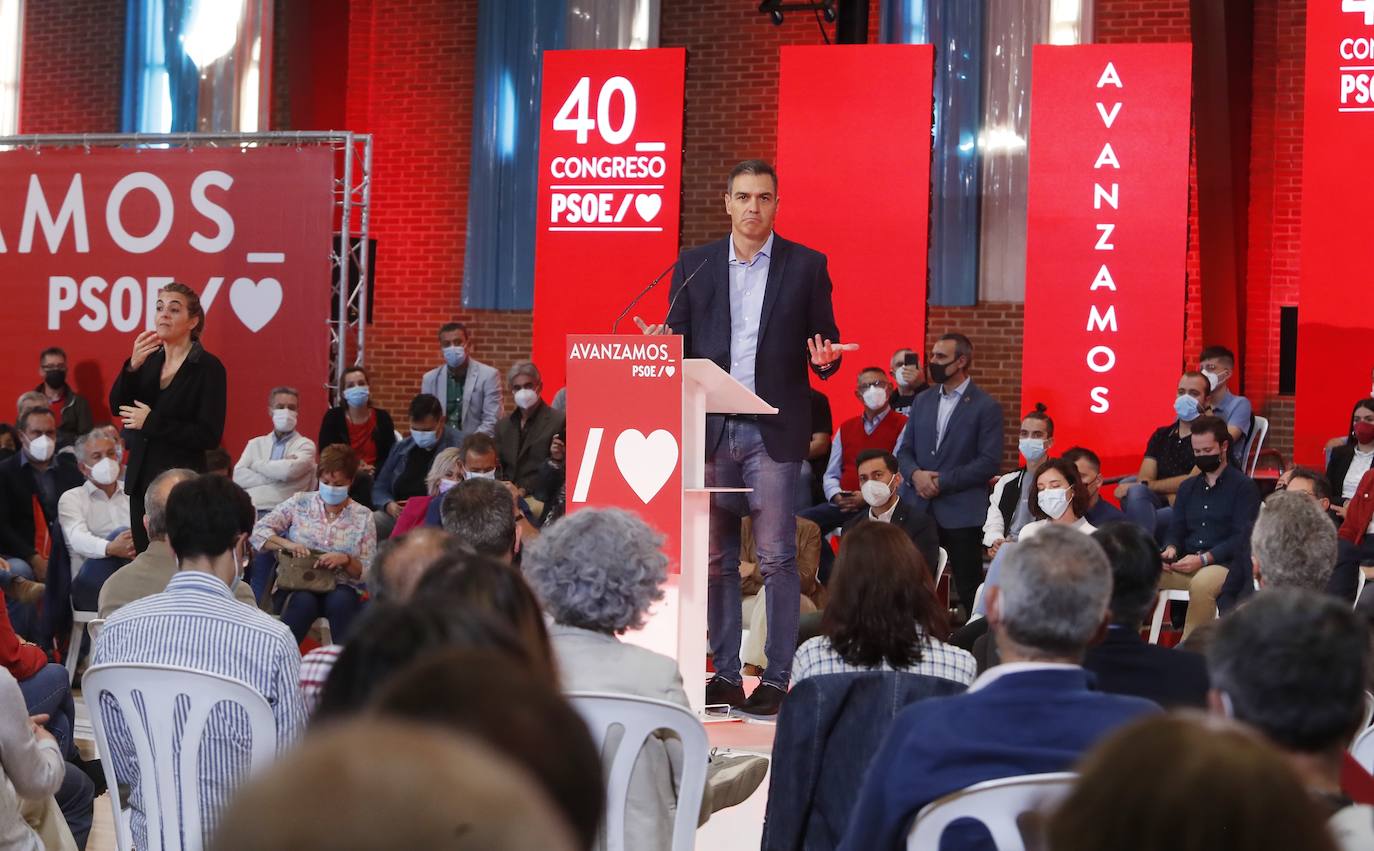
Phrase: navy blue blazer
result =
(796, 307)
(969, 456)
(1029, 722)
(1124, 664)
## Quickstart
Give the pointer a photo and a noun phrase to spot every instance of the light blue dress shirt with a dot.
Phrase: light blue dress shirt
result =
(949, 400)
(748, 280)
(279, 445)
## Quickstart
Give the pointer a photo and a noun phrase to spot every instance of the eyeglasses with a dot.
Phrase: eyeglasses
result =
(864, 385)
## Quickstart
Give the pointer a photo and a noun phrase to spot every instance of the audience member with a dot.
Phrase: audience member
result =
(149, 573)
(552, 488)
(281, 463)
(1209, 532)
(908, 379)
(951, 447)
(1009, 506)
(29, 399)
(469, 392)
(1034, 714)
(9, 441)
(880, 484)
(481, 515)
(1294, 664)
(523, 439)
(1123, 662)
(1060, 498)
(1089, 466)
(1218, 364)
(196, 623)
(95, 518)
(1186, 783)
(1349, 461)
(809, 488)
(1345, 576)
(328, 524)
(360, 424)
(410, 787)
(219, 463)
(403, 474)
(33, 772)
(444, 473)
(1293, 544)
(482, 583)
(1168, 461)
(72, 412)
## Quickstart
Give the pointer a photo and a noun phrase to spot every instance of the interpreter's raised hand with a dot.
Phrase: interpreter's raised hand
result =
(135, 415)
(824, 352)
(144, 345)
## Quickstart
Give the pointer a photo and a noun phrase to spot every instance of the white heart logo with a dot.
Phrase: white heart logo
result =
(646, 462)
(255, 302)
(670, 370)
(648, 206)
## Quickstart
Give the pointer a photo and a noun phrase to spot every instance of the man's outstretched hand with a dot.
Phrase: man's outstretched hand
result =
(824, 352)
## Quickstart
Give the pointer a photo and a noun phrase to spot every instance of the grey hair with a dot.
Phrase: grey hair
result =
(100, 433)
(290, 391)
(414, 552)
(524, 367)
(443, 462)
(29, 399)
(598, 569)
(1294, 542)
(1055, 591)
(481, 513)
(155, 499)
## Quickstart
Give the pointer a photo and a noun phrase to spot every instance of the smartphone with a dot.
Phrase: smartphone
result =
(911, 360)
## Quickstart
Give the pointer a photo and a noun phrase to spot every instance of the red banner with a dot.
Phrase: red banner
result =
(1106, 242)
(860, 110)
(610, 175)
(1335, 333)
(88, 238)
(625, 432)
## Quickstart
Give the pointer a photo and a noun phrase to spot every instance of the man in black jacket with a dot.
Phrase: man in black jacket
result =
(880, 480)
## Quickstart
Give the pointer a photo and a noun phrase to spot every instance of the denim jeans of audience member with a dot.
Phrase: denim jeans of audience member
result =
(23, 617)
(261, 571)
(804, 498)
(76, 799)
(300, 609)
(49, 693)
(1147, 509)
(741, 460)
(92, 575)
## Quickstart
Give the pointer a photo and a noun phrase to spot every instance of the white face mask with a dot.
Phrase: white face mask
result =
(1054, 501)
(485, 474)
(105, 471)
(283, 420)
(1212, 379)
(41, 448)
(875, 398)
(875, 493)
(525, 398)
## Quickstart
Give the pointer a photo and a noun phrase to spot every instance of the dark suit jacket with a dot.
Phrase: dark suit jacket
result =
(17, 490)
(1336, 468)
(1125, 664)
(187, 418)
(966, 459)
(522, 463)
(334, 429)
(796, 306)
(918, 527)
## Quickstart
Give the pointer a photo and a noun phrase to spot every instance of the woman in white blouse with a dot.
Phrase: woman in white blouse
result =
(1350, 459)
(33, 771)
(1059, 498)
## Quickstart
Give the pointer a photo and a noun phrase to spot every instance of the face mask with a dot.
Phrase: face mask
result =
(1053, 501)
(454, 356)
(424, 439)
(1033, 448)
(939, 372)
(525, 398)
(1364, 432)
(1207, 463)
(41, 447)
(1186, 407)
(55, 378)
(356, 396)
(875, 398)
(1212, 379)
(333, 494)
(876, 493)
(485, 474)
(446, 485)
(284, 420)
(105, 471)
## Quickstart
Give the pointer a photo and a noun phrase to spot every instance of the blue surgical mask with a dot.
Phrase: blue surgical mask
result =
(333, 494)
(424, 439)
(454, 356)
(356, 396)
(1033, 448)
(1186, 407)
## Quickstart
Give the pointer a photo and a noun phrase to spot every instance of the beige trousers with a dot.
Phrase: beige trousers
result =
(1202, 587)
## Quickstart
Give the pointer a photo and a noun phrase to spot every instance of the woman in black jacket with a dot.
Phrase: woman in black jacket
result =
(354, 422)
(1348, 462)
(170, 395)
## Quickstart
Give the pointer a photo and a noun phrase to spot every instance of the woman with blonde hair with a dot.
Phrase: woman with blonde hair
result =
(445, 472)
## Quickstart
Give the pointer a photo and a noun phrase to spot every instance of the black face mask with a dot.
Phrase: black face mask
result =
(55, 378)
(1207, 463)
(940, 372)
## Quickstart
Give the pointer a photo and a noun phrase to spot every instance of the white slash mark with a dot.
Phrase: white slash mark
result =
(584, 473)
(266, 257)
(624, 205)
(207, 298)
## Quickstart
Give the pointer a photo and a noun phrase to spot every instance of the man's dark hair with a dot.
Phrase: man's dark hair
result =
(1220, 353)
(452, 326)
(30, 413)
(1042, 413)
(1136, 567)
(206, 515)
(51, 350)
(424, 406)
(758, 167)
(963, 346)
(869, 454)
(481, 513)
(478, 443)
(1295, 664)
(1216, 427)
(1077, 452)
(1321, 489)
(217, 460)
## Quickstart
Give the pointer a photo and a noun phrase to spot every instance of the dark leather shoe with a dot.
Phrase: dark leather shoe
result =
(721, 691)
(763, 703)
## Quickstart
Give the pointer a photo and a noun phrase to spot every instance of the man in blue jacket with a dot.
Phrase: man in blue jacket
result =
(1033, 714)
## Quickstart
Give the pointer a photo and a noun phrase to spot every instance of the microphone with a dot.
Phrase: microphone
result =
(683, 288)
(642, 294)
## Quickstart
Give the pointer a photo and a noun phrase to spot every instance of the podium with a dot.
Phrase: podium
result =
(628, 395)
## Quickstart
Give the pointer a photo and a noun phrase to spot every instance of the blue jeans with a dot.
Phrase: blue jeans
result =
(23, 617)
(88, 581)
(741, 460)
(300, 609)
(261, 571)
(48, 693)
(1147, 509)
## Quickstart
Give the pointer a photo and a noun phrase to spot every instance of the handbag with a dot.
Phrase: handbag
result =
(301, 573)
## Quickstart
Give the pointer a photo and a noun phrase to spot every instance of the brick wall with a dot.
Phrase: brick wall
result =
(73, 66)
(994, 328)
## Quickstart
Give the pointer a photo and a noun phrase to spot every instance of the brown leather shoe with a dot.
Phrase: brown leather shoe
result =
(25, 591)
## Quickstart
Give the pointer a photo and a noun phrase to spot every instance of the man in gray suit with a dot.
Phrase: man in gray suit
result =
(951, 447)
(469, 391)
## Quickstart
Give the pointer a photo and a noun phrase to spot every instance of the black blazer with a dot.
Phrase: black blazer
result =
(1336, 469)
(523, 464)
(1125, 664)
(187, 419)
(334, 429)
(918, 525)
(17, 489)
(796, 306)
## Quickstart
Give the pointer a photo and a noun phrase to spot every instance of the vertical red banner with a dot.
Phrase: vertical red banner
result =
(1106, 243)
(854, 183)
(1335, 333)
(610, 178)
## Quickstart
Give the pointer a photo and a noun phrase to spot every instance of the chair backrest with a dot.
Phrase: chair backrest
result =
(637, 719)
(151, 724)
(1362, 749)
(943, 560)
(1368, 710)
(1252, 449)
(93, 628)
(996, 803)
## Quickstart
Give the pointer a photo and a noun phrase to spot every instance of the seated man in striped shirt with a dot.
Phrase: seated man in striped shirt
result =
(196, 623)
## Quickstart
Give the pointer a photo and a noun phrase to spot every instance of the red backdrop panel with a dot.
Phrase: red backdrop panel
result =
(1335, 334)
(610, 177)
(854, 183)
(1106, 238)
(248, 230)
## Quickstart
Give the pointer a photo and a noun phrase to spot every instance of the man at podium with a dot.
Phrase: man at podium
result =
(760, 309)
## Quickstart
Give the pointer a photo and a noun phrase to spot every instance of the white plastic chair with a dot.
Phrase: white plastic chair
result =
(977, 602)
(1256, 445)
(161, 783)
(93, 629)
(941, 562)
(1361, 579)
(995, 803)
(1165, 597)
(79, 622)
(639, 718)
(1362, 749)
(1368, 711)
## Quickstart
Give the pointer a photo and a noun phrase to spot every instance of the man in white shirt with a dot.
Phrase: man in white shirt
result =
(95, 517)
(281, 464)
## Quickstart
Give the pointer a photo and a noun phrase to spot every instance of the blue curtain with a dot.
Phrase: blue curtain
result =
(161, 83)
(955, 27)
(498, 263)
